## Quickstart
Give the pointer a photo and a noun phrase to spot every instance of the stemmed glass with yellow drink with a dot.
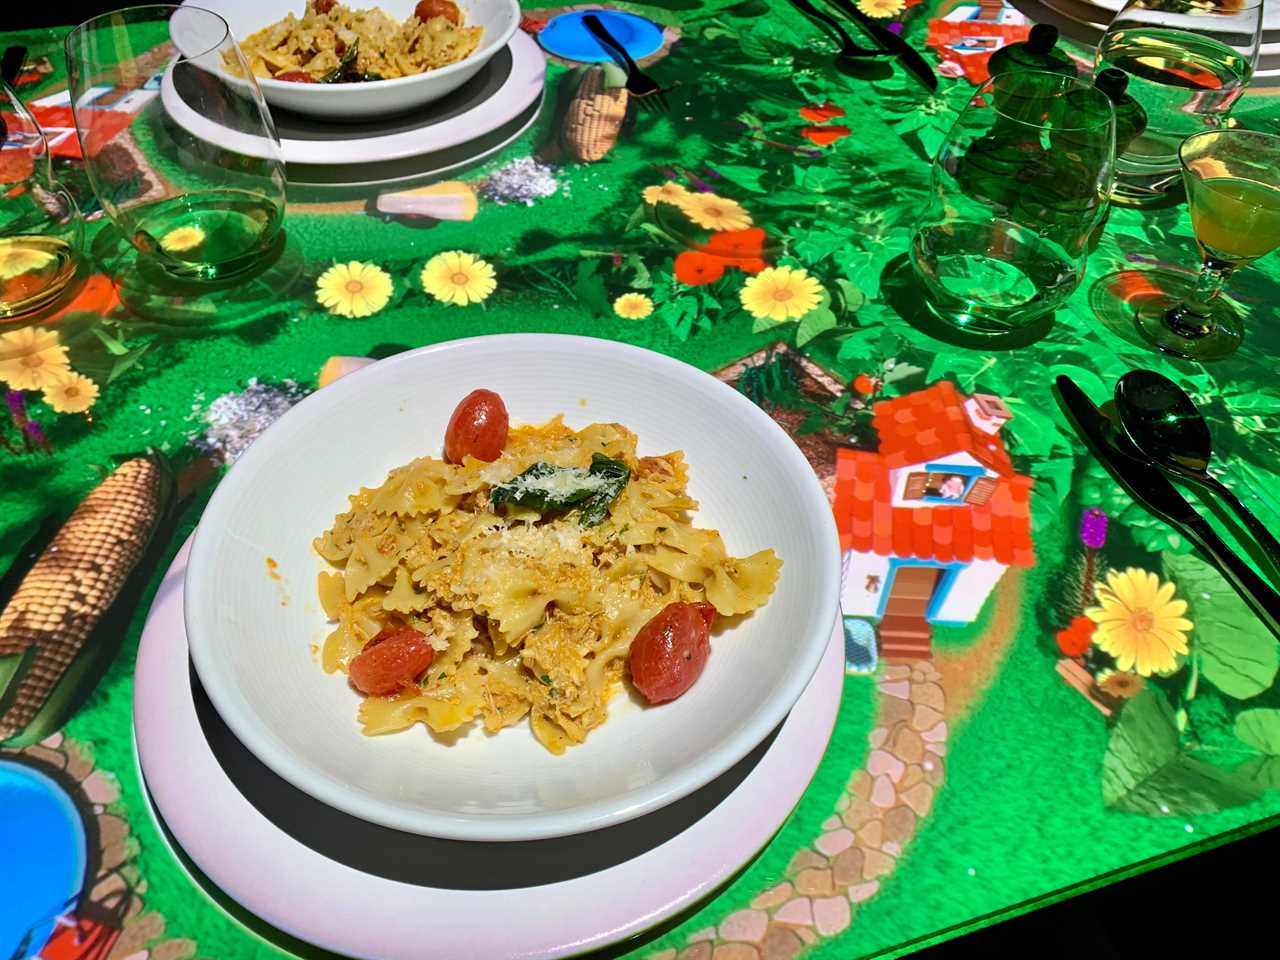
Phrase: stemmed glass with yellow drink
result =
(40, 226)
(1232, 180)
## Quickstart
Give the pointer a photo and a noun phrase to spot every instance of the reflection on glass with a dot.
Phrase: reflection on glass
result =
(1187, 62)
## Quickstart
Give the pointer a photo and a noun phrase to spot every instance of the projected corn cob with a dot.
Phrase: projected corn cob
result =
(594, 118)
(58, 604)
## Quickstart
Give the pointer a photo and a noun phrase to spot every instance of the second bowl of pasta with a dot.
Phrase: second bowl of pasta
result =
(512, 587)
(345, 61)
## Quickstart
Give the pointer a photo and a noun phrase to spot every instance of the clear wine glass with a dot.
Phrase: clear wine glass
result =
(1188, 61)
(40, 227)
(201, 209)
(1018, 186)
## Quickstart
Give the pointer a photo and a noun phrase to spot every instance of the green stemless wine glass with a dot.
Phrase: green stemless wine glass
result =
(40, 227)
(182, 156)
(1232, 179)
(1018, 186)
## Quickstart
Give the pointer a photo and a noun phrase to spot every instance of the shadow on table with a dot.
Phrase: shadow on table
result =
(902, 291)
(249, 302)
(1116, 297)
(451, 864)
(440, 863)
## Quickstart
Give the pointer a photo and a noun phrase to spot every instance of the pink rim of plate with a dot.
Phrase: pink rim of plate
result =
(339, 908)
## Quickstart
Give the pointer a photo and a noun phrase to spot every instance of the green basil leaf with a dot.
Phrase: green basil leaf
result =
(544, 487)
(340, 73)
(547, 488)
(596, 507)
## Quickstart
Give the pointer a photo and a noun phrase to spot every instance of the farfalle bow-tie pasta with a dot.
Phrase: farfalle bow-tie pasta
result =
(332, 43)
(516, 587)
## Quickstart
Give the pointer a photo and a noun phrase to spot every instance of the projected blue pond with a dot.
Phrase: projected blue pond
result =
(43, 843)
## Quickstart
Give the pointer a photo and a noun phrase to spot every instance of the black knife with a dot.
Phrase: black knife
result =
(1151, 488)
(908, 55)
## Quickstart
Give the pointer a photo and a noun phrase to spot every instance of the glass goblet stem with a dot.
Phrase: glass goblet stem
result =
(1193, 317)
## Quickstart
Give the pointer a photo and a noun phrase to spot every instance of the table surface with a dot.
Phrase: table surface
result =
(1035, 793)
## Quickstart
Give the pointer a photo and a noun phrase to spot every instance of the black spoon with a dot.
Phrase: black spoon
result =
(1163, 422)
(857, 62)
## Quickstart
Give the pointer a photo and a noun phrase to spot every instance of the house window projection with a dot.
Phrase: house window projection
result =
(945, 486)
(936, 486)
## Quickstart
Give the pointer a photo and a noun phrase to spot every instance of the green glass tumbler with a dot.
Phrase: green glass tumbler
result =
(1018, 186)
(210, 198)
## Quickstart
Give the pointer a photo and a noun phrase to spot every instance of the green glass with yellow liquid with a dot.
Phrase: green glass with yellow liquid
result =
(34, 272)
(1232, 180)
(40, 227)
(218, 215)
(1236, 221)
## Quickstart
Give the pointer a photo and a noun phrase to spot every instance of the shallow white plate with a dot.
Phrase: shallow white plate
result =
(347, 102)
(412, 171)
(292, 865)
(496, 95)
(252, 644)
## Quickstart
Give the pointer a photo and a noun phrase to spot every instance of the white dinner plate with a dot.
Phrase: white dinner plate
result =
(254, 646)
(504, 89)
(365, 891)
(411, 171)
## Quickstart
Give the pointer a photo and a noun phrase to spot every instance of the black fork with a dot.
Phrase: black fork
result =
(639, 84)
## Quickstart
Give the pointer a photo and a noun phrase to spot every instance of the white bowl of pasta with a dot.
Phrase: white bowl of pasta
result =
(455, 648)
(337, 60)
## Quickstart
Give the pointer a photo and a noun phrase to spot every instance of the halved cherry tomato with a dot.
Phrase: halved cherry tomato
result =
(478, 428)
(295, 76)
(392, 660)
(670, 651)
(427, 9)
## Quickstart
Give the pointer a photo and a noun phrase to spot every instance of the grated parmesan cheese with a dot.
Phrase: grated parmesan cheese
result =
(541, 541)
(558, 485)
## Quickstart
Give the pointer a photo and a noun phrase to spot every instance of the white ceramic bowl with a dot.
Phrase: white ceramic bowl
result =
(354, 102)
(251, 636)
